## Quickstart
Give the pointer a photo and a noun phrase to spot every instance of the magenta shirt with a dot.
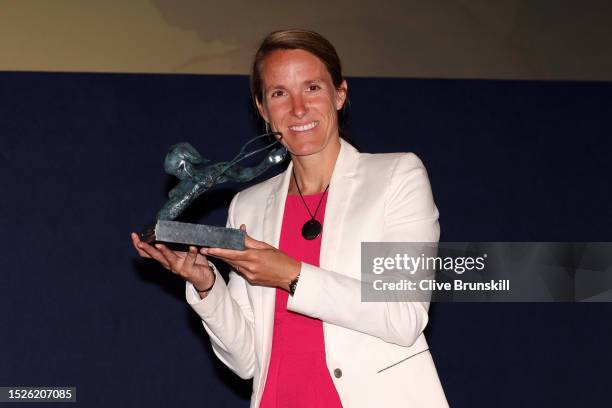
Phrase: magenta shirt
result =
(297, 375)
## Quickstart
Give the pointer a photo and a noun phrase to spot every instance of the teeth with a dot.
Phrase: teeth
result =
(305, 127)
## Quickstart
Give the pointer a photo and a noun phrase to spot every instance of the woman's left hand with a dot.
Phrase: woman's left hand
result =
(259, 263)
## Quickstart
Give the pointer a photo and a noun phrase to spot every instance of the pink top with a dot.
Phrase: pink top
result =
(298, 375)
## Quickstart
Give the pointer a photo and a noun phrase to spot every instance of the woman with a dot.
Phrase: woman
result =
(292, 317)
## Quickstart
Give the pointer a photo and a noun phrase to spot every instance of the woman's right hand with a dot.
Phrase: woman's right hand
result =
(191, 266)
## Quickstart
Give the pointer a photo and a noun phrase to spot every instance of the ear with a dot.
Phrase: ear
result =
(341, 94)
(262, 110)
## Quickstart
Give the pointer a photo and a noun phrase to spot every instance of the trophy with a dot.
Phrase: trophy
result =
(196, 177)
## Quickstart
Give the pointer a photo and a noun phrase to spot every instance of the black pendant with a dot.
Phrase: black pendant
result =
(311, 229)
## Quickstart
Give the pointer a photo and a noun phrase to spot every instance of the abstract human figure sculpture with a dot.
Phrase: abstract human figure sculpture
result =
(184, 162)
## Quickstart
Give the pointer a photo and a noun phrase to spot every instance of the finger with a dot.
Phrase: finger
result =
(146, 247)
(201, 259)
(155, 254)
(142, 253)
(137, 245)
(171, 257)
(250, 242)
(190, 258)
(225, 254)
(150, 252)
(255, 244)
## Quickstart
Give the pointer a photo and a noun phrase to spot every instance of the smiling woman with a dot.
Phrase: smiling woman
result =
(291, 315)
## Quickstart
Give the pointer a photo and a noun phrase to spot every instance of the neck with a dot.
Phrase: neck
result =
(314, 172)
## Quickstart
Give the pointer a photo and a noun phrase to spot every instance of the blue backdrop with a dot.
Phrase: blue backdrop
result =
(81, 166)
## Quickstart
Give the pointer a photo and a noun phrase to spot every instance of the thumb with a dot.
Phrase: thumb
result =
(252, 243)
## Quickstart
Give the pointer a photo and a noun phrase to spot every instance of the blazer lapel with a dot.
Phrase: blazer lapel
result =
(339, 195)
(272, 223)
(273, 215)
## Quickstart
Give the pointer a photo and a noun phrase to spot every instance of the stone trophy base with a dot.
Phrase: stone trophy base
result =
(181, 234)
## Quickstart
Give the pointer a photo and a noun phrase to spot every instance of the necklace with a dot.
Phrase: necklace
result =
(311, 228)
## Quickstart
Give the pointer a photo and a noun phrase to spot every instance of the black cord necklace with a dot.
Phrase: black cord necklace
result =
(312, 228)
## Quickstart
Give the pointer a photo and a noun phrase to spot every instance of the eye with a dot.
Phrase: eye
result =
(276, 93)
(313, 87)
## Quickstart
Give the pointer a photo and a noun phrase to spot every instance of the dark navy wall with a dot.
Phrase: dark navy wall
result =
(81, 166)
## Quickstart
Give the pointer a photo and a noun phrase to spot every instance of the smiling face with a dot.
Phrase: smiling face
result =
(300, 101)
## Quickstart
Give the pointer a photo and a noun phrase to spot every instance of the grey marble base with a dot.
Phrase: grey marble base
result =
(175, 232)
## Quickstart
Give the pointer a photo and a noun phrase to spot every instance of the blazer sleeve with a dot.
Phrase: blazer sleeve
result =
(410, 216)
(227, 317)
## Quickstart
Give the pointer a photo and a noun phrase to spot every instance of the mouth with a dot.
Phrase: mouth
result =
(305, 127)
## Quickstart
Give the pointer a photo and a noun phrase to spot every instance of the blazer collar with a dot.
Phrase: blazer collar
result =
(344, 170)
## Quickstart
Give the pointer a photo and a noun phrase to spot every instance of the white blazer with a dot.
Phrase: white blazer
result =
(376, 353)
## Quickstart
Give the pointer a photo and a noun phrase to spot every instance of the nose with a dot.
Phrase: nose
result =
(299, 108)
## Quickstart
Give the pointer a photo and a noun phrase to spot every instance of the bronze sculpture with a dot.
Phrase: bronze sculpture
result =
(185, 162)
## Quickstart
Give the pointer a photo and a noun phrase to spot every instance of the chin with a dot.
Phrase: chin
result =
(305, 149)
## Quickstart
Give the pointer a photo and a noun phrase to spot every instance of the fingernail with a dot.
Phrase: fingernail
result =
(158, 246)
(204, 250)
